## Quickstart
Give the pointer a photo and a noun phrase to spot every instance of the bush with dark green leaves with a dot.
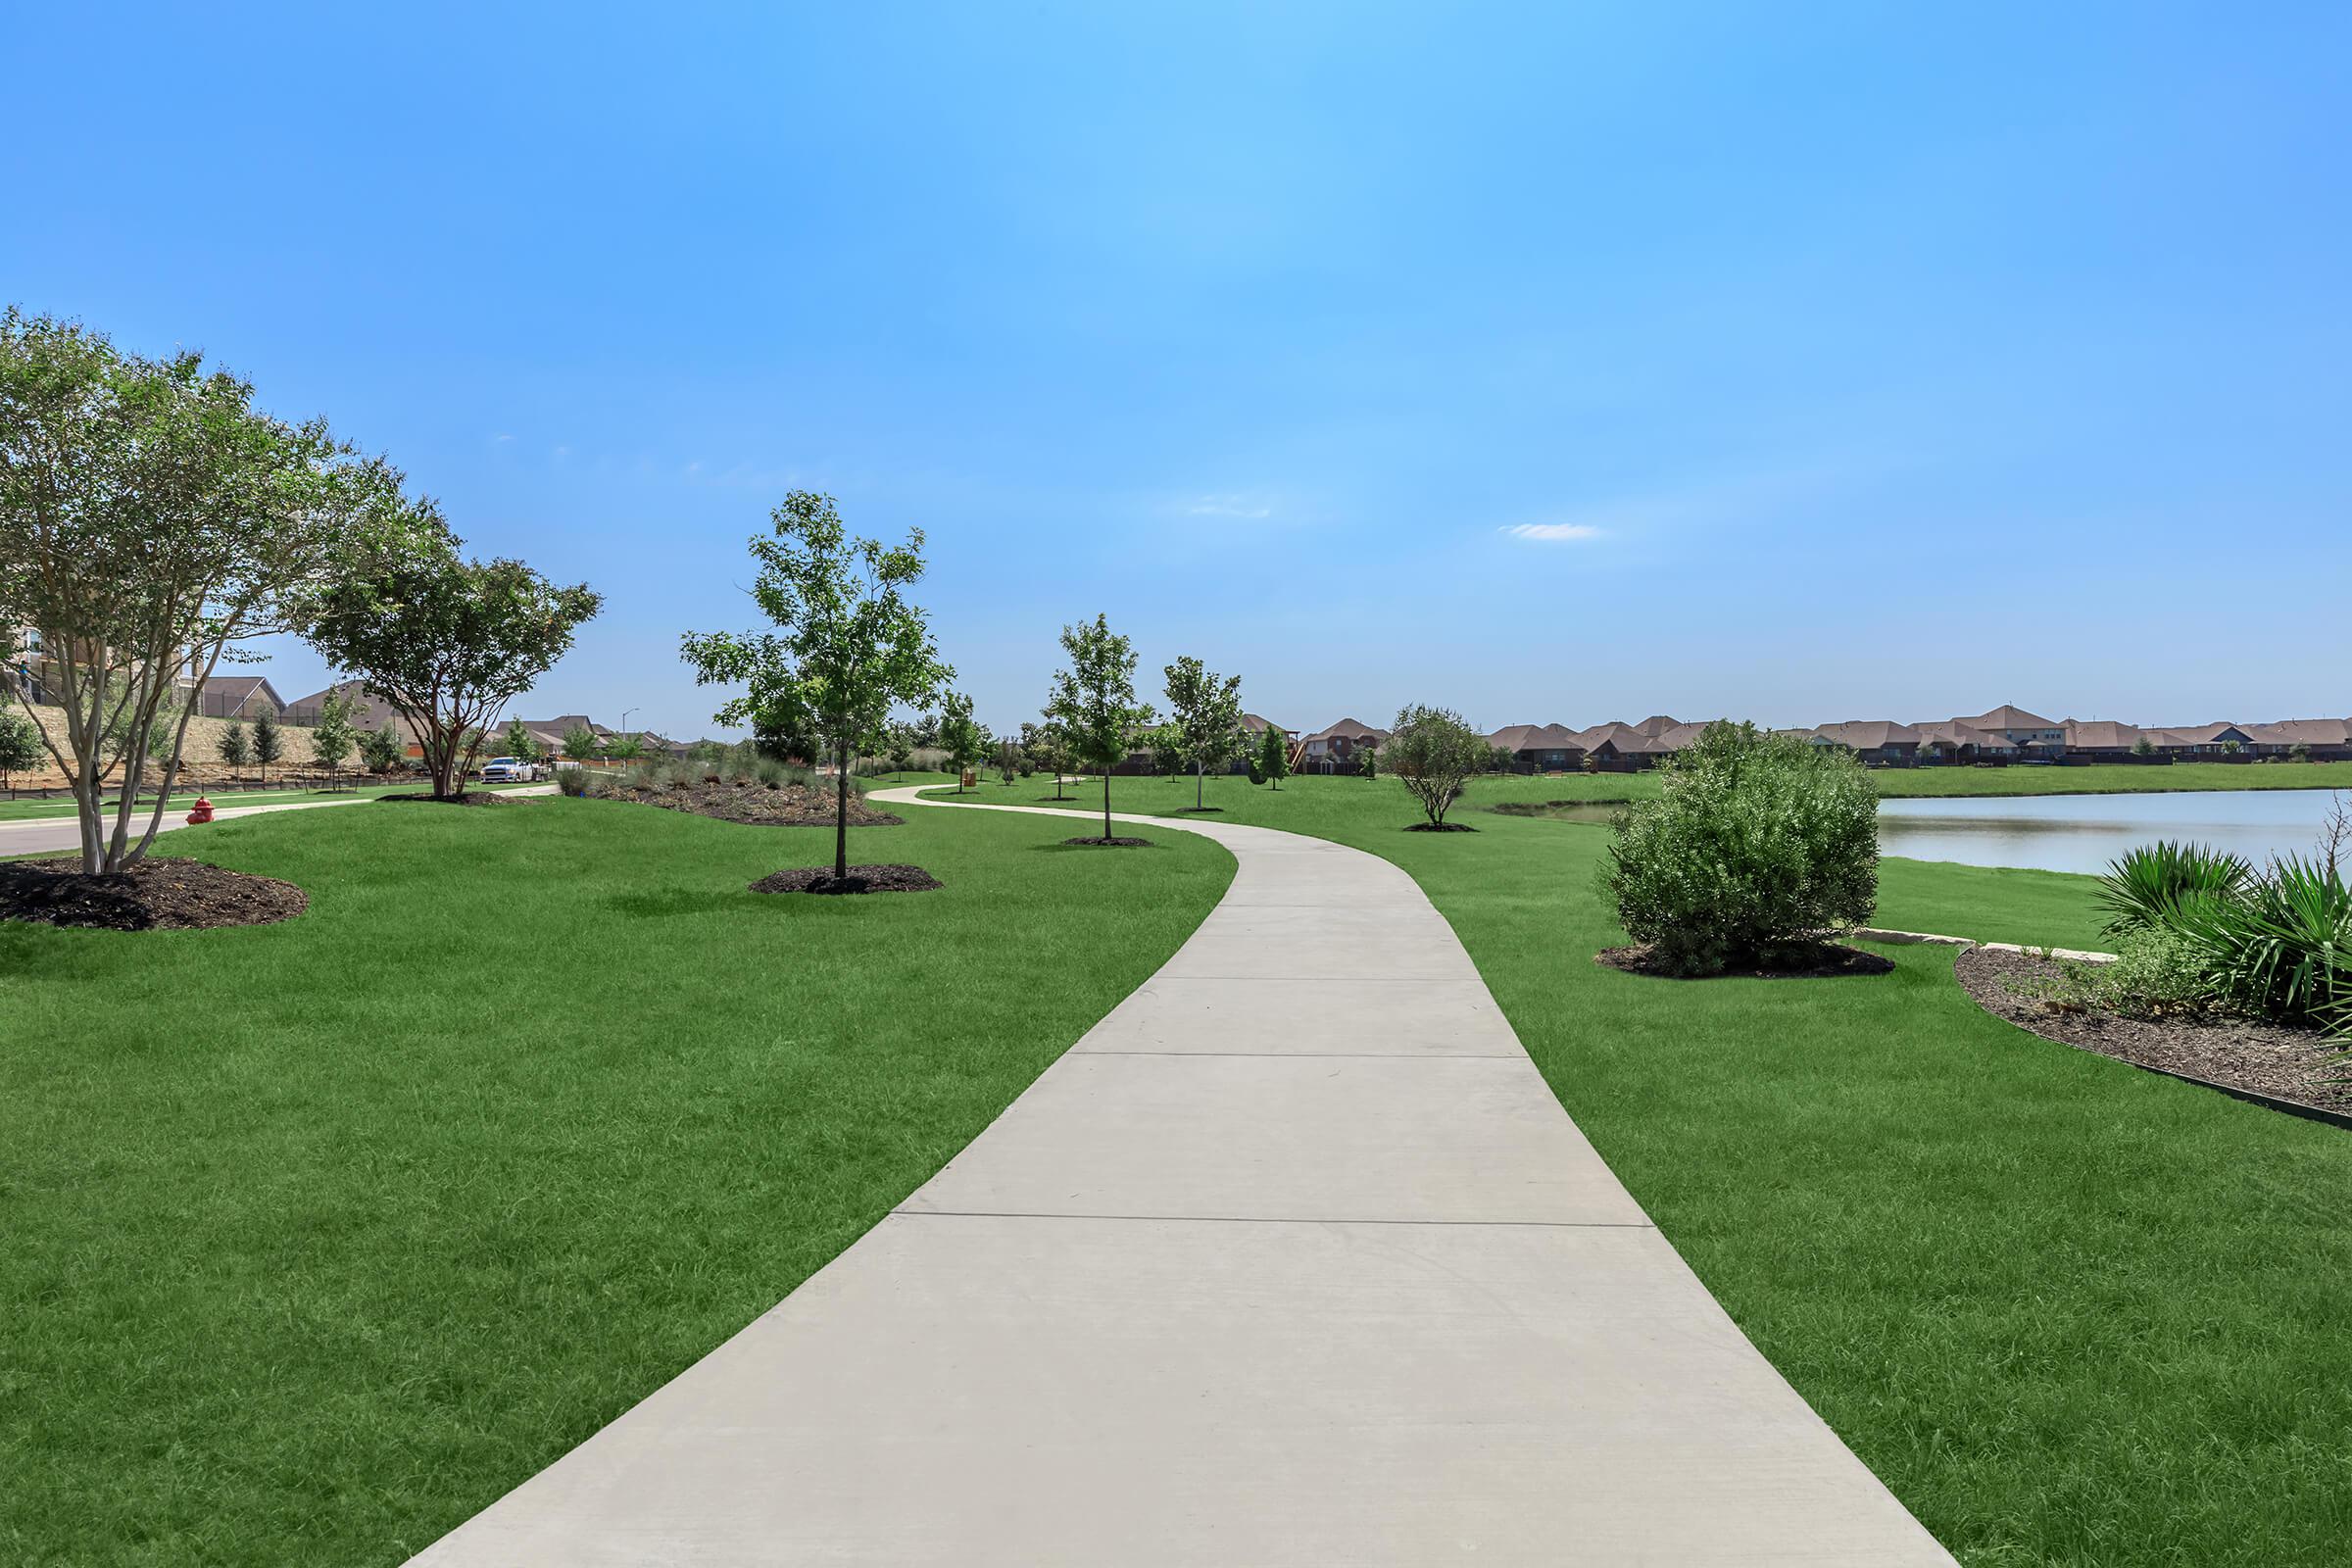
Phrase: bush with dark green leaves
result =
(1758, 847)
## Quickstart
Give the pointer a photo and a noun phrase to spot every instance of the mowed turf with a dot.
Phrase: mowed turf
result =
(2070, 1311)
(321, 1236)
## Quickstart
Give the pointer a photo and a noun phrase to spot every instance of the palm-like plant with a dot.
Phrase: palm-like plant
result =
(2147, 884)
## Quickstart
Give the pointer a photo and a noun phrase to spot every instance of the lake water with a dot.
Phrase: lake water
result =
(2084, 832)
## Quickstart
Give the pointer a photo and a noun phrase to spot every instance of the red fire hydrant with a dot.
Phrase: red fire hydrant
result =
(201, 813)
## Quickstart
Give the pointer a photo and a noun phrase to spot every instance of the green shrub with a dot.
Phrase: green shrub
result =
(2144, 886)
(575, 781)
(1756, 845)
(2156, 973)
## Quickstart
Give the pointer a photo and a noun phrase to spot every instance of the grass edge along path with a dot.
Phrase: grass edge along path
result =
(325, 1235)
(2070, 1311)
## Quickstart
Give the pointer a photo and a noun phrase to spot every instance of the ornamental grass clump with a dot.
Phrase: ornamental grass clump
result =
(2275, 945)
(1758, 848)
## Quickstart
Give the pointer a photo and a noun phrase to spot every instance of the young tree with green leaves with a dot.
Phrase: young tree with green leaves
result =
(334, 736)
(268, 741)
(1204, 710)
(383, 749)
(518, 743)
(20, 746)
(449, 642)
(965, 741)
(580, 744)
(1093, 700)
(900, 747)
(848, 645)
(152, 523)
(1434, 753)
(1367, 761)
(624, 748)
(1274, 755)
(1166, 744)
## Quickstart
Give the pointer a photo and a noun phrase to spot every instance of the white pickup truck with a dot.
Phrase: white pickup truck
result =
(509, 770)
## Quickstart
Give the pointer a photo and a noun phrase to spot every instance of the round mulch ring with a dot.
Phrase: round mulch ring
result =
(469, 798)
(1440, 827)
(1817, 961)
(861, 879)
(1110, 843)
(152, 895)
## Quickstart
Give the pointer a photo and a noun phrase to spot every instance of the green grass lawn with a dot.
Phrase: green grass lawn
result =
(1952, 782)
(321, 1236)
(2070, 1311)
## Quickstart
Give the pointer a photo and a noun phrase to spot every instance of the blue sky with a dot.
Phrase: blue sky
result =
(1549, 361)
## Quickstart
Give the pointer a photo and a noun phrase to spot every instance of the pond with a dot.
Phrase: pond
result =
(2063, 832)
(2084, 832)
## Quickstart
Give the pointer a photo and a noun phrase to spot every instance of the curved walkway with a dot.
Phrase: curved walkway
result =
(1293, 1258)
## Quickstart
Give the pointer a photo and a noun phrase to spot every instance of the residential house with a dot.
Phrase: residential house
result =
(2322, 740)
(233, 697)
(2204, 742)
(2034, 737)
(2104, 740)
(1877, 742)
(1540, 748)
(1956, 741)
(367, 711)
(1332, 750)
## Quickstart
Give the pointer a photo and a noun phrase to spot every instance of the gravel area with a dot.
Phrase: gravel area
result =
(2267, 1058)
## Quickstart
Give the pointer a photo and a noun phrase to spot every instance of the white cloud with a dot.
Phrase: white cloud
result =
(1229, 507)
(1552, 530)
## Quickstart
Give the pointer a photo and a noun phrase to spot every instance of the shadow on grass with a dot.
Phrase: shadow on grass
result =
(656, 904)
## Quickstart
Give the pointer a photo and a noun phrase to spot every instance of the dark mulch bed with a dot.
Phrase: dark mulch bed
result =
(1440, 827)
(1819, 961)
(2266, 1058)
(861, 879)
(155, 895)
(1113, 844)
(758, 806)
(469, 798)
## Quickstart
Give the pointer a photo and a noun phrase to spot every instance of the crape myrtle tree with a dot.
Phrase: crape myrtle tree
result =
(153, 522)
(963, 740)
(1274, 755)
(1204, 710)
(1434, 753)
(1093, 700)
(333, 736)
(848, 648)
(448, 642)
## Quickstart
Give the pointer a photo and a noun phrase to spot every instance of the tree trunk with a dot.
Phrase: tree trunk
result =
(1106, 803)
(840, 815)
(1199, 774)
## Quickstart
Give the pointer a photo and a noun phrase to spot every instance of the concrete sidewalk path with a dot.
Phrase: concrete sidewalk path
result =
(1294, 1259)
(50, 834)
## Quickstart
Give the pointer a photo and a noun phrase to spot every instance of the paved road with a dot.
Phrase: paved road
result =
(1293, 1258)
(49, 835)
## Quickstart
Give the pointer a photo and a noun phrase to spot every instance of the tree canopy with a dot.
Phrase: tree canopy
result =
(1205, 713)
(1434, 753)
(1093, 700)
(449, 642)
(152, 522)
(847, 645)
